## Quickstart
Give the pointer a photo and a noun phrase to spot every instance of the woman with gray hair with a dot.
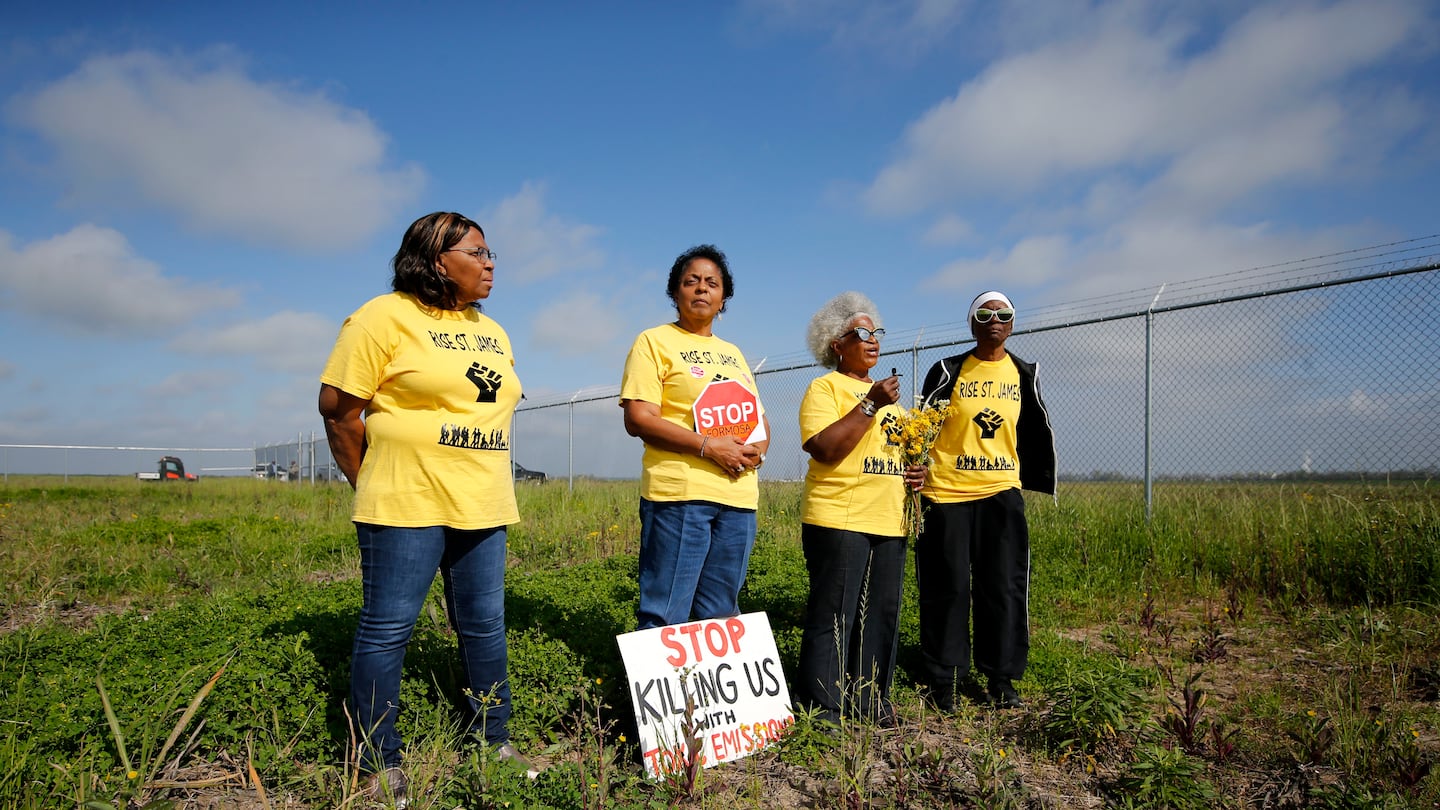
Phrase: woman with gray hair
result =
(852, 522)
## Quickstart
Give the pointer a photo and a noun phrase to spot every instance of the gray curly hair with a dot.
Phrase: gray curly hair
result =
(833, 320)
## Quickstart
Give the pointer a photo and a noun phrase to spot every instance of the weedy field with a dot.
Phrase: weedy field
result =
(1257, 645)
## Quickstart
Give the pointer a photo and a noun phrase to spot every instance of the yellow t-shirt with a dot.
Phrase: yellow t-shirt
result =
(442, 391)
(670, 367)
(865, 491)
(974, 456)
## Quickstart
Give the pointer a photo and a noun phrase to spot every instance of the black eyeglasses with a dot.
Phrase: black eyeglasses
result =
(479, 253)
(865, 334)
(983, 315)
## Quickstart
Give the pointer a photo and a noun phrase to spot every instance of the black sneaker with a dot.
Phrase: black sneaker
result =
(969, 688)
(943, 700)
(886, 717)
(1003, 695)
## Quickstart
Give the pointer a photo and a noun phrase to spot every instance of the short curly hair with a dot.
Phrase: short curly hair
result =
(833, 320)
(714, 254)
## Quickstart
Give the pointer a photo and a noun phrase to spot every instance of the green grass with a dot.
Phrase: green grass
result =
(1306, 613)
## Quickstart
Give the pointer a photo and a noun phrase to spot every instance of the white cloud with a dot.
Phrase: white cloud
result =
(1265, 104)
(534, 244)
(286, 341)
(1122, 267)
(1361, 403)
(900, 29)
(90, 281)
(18, 424)
(222, 150)
(948, 229)
(556, 325)
(1303, 143)
(190, 384)
(1144, 252)
(1029, 263)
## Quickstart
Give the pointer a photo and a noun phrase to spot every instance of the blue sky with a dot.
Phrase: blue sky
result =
(193, 196)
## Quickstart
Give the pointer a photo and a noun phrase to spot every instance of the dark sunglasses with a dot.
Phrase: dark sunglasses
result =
(865, 334)
(983, 315)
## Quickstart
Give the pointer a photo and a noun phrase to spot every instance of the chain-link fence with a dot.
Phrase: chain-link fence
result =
(85, 460)
(1328, 367)
(307, 458)
(1335, 373)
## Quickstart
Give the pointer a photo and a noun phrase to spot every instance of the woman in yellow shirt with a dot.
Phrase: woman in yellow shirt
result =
(698, 488)
(417, 398)
(975, 544)
(852, 521)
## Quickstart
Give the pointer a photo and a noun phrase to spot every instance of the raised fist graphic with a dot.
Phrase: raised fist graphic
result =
(486, 380)
(891, 426)
(989, 422)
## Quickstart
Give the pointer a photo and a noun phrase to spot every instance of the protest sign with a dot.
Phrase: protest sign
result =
(710, 691)
(728, 408)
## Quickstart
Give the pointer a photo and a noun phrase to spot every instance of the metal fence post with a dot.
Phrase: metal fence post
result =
(1149, 361)
(570, 440)
(915, 369)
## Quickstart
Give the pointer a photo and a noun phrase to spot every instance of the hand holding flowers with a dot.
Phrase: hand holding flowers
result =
(914, 431)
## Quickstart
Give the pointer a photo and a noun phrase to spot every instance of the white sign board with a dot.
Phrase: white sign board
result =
(726, 670)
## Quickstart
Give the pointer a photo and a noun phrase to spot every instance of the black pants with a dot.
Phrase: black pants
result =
(976, 550)
(847, 648)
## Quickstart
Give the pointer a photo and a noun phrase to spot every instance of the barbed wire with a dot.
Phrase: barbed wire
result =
(1406, 255)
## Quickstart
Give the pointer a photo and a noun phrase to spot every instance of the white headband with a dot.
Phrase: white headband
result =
(992, 295)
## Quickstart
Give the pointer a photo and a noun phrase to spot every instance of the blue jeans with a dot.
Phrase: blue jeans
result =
(693, 556)
(397, 566)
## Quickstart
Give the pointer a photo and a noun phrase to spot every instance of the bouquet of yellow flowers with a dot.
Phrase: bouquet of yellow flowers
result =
(914, 431)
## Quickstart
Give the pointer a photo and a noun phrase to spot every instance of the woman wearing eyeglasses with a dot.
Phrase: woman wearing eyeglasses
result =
(852, 521)
(975, 543)
(698, 488)
(417, 399)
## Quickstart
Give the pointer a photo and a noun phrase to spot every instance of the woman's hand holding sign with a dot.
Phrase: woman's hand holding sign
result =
(732, 456)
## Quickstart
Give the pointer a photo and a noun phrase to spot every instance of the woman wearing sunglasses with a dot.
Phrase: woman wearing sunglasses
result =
(852, 521)
(975, 543)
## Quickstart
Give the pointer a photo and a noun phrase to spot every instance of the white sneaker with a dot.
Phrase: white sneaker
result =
(509, 753)
(389, 785)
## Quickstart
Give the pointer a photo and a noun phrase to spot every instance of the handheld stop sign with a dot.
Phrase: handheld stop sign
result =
(728, 408)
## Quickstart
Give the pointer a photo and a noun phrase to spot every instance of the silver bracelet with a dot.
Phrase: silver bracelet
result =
(703, 442)
(867, 406)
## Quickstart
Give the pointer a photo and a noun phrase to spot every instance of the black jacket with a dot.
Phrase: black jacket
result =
(1034, 438)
